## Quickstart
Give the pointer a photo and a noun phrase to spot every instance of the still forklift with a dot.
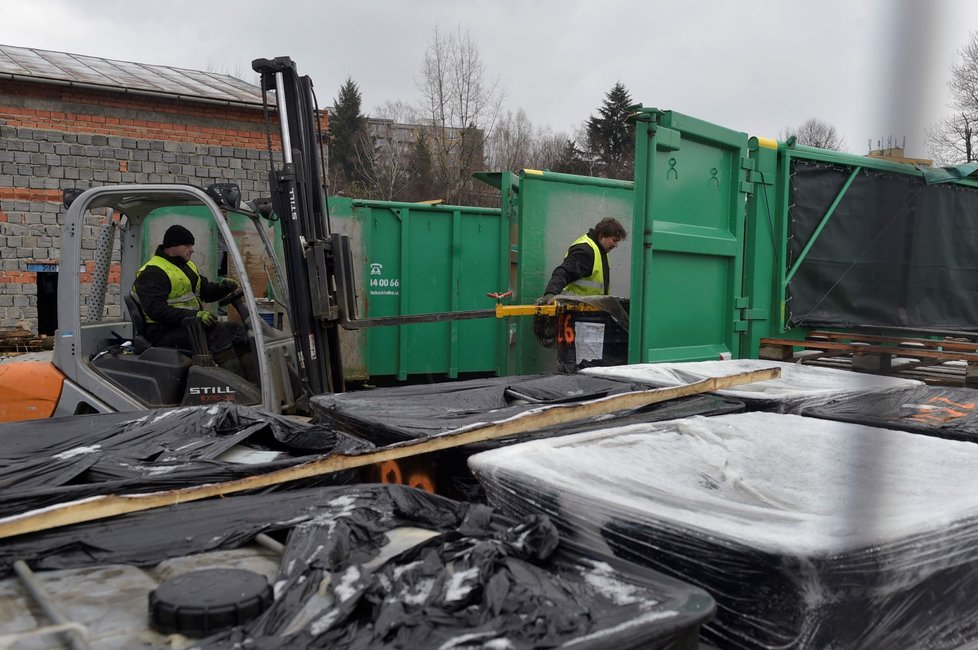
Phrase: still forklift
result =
(102, 363)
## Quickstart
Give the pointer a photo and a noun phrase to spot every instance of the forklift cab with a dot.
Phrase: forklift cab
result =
(108, 365)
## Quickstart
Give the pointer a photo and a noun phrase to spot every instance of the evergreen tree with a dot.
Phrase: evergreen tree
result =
(348, 129)
(611, 140)
(570, 160)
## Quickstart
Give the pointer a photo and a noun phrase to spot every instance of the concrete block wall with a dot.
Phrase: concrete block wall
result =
(55, 137)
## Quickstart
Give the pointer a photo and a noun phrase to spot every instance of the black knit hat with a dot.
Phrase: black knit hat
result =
(177, 236)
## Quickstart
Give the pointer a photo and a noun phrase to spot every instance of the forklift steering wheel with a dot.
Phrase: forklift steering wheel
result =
(235, 295)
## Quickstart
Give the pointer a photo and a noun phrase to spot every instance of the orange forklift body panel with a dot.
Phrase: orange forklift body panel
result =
(29, 390)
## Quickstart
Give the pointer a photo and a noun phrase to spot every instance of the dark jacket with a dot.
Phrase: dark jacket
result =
(577, 265)
(152, 287)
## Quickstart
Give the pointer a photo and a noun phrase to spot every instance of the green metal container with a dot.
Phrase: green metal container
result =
(687, 302)
(419, 258)
(548, 211)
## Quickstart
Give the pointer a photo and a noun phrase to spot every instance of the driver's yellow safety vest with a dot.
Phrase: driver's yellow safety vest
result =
(182, 294)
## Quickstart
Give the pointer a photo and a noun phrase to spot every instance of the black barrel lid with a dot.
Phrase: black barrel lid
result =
(207, 601)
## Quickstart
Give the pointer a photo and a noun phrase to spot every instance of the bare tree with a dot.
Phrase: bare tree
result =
(547, 148)
(460, 104)
(589, 162)
(952, 140)
(384, 159)
(510, 144)
(234, 69)
(384, 168)
(814, 132)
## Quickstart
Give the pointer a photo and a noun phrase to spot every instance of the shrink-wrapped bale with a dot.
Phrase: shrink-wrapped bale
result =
(808, 533)
(941, 411)
(799, 385)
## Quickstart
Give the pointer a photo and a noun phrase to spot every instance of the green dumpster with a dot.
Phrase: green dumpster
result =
(416, 258)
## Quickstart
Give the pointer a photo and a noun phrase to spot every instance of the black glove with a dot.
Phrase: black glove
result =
(546, 299)
(228, 285)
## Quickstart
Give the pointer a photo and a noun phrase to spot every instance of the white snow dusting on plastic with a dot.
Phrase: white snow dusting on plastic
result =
(345, 588)
(604, 581)
(468, 641)
(460, 584)
(400, 570)
(797, 382)
(791, 484)
(418, 593)
(77, 451)
(643, 619)
(324, 623)
(162, 415)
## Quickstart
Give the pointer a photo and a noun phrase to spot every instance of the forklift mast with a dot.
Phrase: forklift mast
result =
(299, 199)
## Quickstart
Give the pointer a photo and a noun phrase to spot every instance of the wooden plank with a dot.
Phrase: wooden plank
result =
(102, 507)
(776, 352)
(958, 346)
(875, 349)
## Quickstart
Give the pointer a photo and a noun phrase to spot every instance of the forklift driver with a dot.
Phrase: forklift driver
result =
(169, 288)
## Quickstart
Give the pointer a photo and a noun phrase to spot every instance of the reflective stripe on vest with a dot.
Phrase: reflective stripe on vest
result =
(591, 285)
(182, 295)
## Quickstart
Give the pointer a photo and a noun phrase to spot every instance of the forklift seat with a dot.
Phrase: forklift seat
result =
(139, 341)
(157, 376)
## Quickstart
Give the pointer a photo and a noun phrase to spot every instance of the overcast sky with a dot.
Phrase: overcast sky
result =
(871, 68)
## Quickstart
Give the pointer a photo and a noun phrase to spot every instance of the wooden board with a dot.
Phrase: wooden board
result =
(899, 342)
(857, 348)
(106, 506)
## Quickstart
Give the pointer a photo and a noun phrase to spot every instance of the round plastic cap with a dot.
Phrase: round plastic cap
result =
(202, 602)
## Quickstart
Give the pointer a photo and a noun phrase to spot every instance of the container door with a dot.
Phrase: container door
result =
(687, 243)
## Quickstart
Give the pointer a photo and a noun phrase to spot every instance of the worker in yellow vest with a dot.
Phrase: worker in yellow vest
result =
(585, 271)
(169, 288)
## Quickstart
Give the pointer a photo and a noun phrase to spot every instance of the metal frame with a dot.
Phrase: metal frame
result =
(77, 342)
(767, 272)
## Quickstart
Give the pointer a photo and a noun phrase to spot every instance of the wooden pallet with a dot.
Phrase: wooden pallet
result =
(18, 340)
(876, 353)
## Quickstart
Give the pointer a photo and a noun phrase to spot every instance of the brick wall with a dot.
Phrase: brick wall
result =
(56, 137)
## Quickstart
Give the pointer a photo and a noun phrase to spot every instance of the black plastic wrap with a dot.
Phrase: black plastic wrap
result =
(481, 580)
(808, 533)
(896, 252)
(797, 387)
(389, 415)
(62, 459)
(945, 412)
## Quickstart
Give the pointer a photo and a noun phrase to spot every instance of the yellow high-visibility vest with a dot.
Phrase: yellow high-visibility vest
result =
(182, 294)
(591, 285)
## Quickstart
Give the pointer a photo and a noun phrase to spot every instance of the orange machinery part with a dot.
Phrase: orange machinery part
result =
(392, 472)
(29, 390)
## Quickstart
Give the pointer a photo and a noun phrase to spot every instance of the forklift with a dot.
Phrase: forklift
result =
(103, 364)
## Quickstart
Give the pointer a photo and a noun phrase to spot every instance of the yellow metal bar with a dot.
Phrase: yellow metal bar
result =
(505, 311)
